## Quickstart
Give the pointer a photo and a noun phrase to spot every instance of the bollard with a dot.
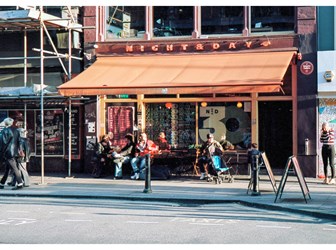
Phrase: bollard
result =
(148, 188)
(255, 168)
(306, 149)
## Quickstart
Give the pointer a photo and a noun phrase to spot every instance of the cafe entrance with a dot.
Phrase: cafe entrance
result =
(186, 96)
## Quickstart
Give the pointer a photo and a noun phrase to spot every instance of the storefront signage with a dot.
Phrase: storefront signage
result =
(307, 68)
(53, 132)
(194, 47)
(328, 75)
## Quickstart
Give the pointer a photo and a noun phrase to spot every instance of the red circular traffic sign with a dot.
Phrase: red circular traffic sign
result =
(307, 68)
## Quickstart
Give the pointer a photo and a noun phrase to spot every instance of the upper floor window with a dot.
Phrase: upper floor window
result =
(222, 20)
(129, 22)
(125, 22)
(173, 21)
(272, 18)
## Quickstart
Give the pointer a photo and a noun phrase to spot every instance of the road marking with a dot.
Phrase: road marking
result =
(203, 221)
(14, 211)
(77, 220)
(21, 219)
(70, 213)
(206, 224)
(329, 229)
(273, 226)
(17, 221)
(143, 222)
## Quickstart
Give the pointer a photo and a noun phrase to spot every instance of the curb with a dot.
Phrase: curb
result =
(183, 202)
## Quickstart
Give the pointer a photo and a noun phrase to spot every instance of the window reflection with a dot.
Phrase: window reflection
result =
(125, 22)
(272, 18)
(173, 21)
(222, 19)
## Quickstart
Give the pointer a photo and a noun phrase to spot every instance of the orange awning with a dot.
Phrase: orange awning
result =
(182, 74)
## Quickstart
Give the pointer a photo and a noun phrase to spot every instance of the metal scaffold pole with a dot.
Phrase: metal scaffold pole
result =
(41, 93)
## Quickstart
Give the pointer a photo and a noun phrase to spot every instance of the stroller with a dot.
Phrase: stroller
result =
(218, 170)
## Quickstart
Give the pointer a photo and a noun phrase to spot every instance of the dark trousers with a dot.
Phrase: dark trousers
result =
(12, 164)
(202, 161)
(328, 154)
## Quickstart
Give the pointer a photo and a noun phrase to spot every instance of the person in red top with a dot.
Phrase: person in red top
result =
(162, 142)
(327, 138)
(143, 147)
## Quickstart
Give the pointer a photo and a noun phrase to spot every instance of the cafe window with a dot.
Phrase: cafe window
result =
(173, 21)
(272, 18)
(222, 20)
(125, 22)
(176, 120)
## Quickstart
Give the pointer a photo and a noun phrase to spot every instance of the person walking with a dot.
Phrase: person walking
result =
(11, 150)
(327, 138)
(22, 160)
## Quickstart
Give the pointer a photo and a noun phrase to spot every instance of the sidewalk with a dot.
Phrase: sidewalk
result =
(188, 190)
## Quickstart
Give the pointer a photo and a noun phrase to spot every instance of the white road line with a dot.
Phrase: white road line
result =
(143, 222)
(206, 224)
(20, 219)
(13, 211)
(71, 213)
(329, 229)
(272, 226)
(77, 220)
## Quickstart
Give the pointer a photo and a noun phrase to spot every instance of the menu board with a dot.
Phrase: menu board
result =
(292, 162)
(53, 131)
(75, 133)
(120, 122)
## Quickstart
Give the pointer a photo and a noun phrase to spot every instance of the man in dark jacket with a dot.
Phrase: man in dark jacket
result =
(10, 147)
(22, 160)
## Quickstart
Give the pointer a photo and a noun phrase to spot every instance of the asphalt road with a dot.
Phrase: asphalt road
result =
(83, 221)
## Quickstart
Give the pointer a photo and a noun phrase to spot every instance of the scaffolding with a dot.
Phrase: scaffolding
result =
(31, 18)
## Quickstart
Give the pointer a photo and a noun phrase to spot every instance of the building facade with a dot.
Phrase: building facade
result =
(248, 72)
(326, 71)
(39, 51)
(243, 71)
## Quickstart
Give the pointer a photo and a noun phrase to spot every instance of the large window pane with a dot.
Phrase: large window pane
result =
(125, 22)
(271, 18)
(173, 21)
(222, 20)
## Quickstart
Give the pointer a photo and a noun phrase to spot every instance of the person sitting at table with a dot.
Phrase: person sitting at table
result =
(162, 142)
(143, 147)
(225, 143)
(103, 153)
(209, 148)
(123, 156)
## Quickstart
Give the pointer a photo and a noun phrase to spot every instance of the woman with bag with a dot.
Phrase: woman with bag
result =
(327, 138)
